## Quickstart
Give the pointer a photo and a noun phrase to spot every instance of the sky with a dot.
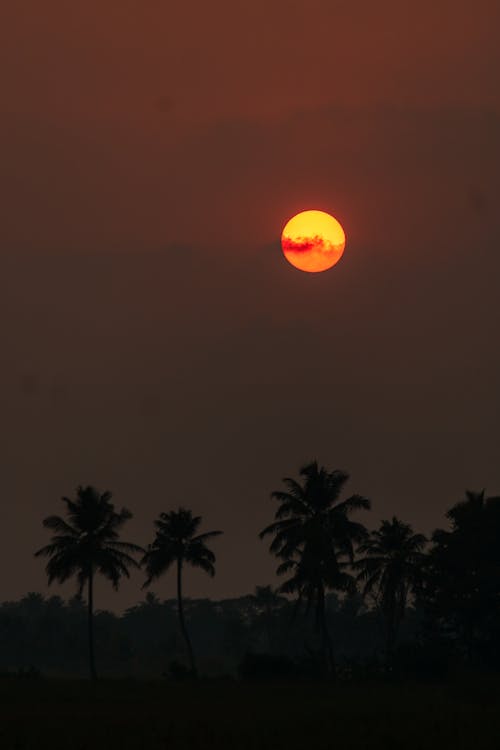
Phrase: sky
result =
(154, 340)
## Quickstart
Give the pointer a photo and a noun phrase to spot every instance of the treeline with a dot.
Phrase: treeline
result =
(254, 635)
(352, 601)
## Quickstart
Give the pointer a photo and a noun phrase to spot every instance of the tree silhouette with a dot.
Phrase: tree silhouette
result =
(389, 569)
(461, 586)
(266, 599)
(177, 542)
(267, 603)
(315, 537)
(86, 544)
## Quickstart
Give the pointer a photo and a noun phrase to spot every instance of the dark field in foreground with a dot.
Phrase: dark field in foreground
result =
(76, 715)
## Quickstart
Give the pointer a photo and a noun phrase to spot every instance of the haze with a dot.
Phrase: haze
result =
(155, 342)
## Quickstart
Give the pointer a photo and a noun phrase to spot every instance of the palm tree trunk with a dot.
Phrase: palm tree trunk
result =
(90, 626)
(269, 628)
(325, 633)
(390, 635)
(180, 610)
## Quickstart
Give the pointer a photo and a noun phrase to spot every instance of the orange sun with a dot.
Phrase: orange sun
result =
(313, 241)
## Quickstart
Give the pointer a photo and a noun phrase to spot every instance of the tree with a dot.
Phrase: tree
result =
(86, 544)
(267, 604)
(390, 568)
(461, 586)
(315, 537)
(177, 542)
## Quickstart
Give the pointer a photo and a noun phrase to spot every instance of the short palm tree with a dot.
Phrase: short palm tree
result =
(177, 542)
(314, 536)
(393, 556)
(87, 543)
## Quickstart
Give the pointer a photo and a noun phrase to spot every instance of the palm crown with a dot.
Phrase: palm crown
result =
(175, 540)
(393, 554)
(88, 541)
(312, 529)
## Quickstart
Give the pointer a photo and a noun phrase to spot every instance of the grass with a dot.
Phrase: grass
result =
(73, 715)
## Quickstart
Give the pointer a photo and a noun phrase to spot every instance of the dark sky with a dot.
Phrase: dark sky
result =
(155, 342)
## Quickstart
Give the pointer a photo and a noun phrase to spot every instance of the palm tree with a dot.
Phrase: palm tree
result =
(88, 543)
(177, 542)
(389, 569)
(315, 538)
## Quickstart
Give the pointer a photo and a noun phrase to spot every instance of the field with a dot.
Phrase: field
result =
(74, 715)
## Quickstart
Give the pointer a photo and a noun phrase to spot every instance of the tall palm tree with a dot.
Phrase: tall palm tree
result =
(314, 536)
(87, 543)
(177, 542)
(393, 556)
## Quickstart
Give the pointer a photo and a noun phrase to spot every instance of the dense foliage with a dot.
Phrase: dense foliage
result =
(49, 635)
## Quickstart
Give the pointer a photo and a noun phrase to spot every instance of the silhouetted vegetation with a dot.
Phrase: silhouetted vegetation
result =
(355, 605)
(314, 538)
(390, 569)
(177, 542)
(49, 635)
(86, 544)
(460, 588)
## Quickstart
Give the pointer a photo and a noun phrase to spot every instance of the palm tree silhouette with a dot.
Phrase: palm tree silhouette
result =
(177, 542)
(389, 569)
(88, 543)
(315, 538)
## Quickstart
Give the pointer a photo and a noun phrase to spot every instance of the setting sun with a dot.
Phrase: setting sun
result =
(313, 241)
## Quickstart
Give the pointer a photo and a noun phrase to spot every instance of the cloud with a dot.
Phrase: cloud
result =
(305, 244)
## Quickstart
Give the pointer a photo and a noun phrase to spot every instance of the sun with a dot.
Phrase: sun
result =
(313, 241)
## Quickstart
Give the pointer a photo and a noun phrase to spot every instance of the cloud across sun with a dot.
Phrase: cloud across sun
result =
(313, 241)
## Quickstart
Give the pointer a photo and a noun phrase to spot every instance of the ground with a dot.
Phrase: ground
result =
(73, 715)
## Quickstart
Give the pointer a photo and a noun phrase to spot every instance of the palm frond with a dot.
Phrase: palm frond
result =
(206, 535)
(355, 502)
(286, 567)
(204, 563)
(58, 524)
(126, 547)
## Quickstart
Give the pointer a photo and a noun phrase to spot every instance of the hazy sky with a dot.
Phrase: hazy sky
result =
(154, 341)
